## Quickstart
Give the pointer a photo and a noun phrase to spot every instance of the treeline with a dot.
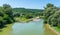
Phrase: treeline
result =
(27, 13)
(7, 14)
(52, 15)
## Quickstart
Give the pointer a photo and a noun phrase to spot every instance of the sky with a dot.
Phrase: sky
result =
(32, 4)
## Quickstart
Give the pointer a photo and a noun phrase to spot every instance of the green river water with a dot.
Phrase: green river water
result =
(29, 28)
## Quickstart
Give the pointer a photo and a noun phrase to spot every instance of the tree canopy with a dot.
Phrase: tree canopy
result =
(52, 15)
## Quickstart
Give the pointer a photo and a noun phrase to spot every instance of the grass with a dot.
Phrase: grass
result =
(57, 29)
(21, 19)
(7, 30)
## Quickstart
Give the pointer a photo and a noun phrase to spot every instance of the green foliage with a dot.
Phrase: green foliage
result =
(6, 15)
(1, 18)
(27, 13)
(52, 15)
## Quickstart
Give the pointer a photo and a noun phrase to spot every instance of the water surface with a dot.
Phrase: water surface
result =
(30, 28)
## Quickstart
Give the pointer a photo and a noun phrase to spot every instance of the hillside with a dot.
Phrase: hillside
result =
(23, 10)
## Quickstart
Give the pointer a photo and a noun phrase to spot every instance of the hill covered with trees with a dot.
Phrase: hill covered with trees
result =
(24, 11)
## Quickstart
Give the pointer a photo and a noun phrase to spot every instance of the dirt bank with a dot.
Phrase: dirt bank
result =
(51, 30)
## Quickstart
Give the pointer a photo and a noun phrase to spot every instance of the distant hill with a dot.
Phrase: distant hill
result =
(24, 10)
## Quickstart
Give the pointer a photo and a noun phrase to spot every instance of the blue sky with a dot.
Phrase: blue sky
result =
(33, 4)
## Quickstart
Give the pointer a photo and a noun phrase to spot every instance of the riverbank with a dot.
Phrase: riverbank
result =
(7, 30)
(23, 19)
(51, 30)
(57, 29)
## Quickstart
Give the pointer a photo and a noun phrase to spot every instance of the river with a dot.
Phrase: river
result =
(29, 28)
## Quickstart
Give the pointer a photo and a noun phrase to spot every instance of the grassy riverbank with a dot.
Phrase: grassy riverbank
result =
(57, 29)
(50, 31)
(21, 19)
(7, 30)
(24, 19)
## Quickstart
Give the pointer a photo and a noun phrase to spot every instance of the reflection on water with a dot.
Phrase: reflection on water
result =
(30, 28)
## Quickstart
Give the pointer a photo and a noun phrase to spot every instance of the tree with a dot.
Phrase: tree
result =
(50, 9)
(7, 9)
(6, 15)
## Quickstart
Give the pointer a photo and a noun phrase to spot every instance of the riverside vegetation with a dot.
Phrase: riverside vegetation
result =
(50, 14)
(8, 14)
